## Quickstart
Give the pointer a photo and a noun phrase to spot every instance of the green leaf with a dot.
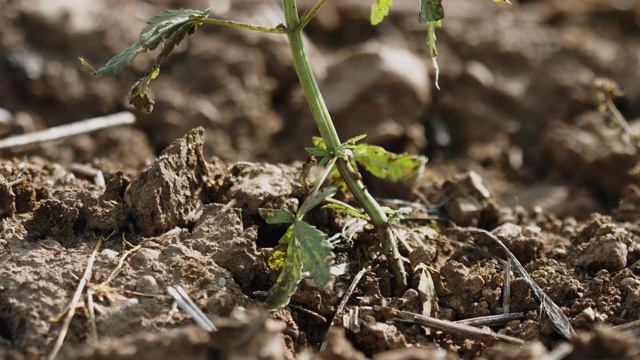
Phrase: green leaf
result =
(288, 279)
(348, 209)
(430, 10)
(313, 201)
(379, 10)
(316, 253)
(351, 143)
(384, 164)
(319, 142)
(279, 216)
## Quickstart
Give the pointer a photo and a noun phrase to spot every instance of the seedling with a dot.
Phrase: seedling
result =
(303, 247)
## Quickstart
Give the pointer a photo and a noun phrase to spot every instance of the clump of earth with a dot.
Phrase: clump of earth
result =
(522, 149)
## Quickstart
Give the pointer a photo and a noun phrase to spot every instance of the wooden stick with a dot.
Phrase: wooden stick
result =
(492, 320)
(452, 327)
(64, 131)
(71, 310)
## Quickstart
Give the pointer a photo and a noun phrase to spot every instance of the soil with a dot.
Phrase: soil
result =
(517, 142)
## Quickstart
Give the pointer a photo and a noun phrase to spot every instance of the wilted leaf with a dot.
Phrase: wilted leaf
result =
(316, 253)
(288, 279)
(169, 29)
(170, 26)
(384, 164)
(379, 10)
(431, 42)
(277, 216)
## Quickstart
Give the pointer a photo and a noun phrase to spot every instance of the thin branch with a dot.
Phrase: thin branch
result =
(280, 29)
(191, 308)
(345, 299)
(452, 327)
(492, 320)
(311, 14)
(71, 309)
(64, 131)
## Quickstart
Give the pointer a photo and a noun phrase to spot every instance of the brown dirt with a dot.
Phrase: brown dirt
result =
(516, 143)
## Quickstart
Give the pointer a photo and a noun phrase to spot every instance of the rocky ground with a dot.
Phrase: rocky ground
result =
(522, 139)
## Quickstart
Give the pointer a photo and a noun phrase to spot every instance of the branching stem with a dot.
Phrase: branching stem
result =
(310, 15)
(330, 136)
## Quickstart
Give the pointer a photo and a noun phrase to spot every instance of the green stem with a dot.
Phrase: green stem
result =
(239, 25)
(330, 137)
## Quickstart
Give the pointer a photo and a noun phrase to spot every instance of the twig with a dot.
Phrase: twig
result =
(118, 267)
(633, 325)
(506, 287)
(64, 131)
(191, 308)
(92, 316)
(74, 302)
(95, 174)
(452, 327)
(492, 320)
(345, 299)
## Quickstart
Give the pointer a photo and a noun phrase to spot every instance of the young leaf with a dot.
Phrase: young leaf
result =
(314, 200)
(352, 142)
(383, 164)
(379, 10)
(288, 279)
(430, 10)
(348, 209)
(279, 216)
(316, 253)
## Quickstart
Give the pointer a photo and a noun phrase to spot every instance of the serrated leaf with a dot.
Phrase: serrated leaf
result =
(379, 10)
(314, 200)
(430, 10)
(384, 164)
(345, 208)
(316, 151)
(277, 216)
(316, 253)
(288, 279)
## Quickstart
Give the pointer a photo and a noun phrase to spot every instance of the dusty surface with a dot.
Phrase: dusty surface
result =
(516, 142)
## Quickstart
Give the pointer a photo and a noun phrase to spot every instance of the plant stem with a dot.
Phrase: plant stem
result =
(239, 25)
(330, 137)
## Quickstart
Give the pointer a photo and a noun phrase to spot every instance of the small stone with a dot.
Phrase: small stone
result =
(147, 285)
(144, 258)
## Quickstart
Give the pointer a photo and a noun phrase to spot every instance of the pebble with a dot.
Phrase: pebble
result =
(147, 285)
